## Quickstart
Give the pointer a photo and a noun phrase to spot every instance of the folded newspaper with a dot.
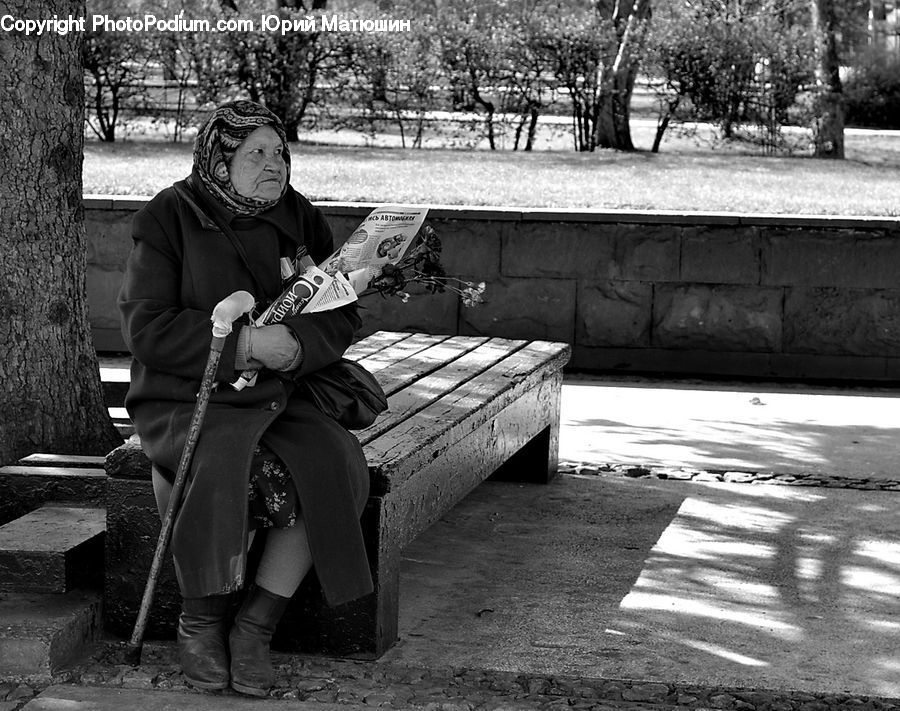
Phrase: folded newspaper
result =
(383, 237)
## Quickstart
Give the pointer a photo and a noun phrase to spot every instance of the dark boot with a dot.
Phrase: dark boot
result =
(202, 647)
(251, 633)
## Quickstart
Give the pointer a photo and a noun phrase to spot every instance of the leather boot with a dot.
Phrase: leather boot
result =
(251, 633)
(202, 647)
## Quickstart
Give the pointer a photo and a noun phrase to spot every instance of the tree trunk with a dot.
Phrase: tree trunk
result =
(613, 128)
(50, 395)
(828, 121)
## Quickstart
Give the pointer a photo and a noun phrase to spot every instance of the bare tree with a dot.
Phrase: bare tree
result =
(50, 396)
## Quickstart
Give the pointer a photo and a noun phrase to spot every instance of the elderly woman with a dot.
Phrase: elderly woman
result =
(267, 459)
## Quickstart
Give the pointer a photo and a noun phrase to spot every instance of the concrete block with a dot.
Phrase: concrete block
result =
(471, 249)
(41, 634)
(423, 313)
(103, 286)
(803, 366)
(557, 249)
(108, 237)
(671, 362)
(53, 549)
(524, 308)
(862, 322)
(720, 255)
(132, 531)
(717, 318)
(26, 488)
(645, 253)
(614, 313)
(839, 257)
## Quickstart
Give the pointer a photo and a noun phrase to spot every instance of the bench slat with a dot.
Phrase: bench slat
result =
(410, 444)
(417, 394)
(402, 373)
(398, 351)
(374, 343)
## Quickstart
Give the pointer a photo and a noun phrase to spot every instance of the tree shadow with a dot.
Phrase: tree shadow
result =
(776, 587)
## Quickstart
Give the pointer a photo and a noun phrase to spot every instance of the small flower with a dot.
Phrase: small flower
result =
(422, 265)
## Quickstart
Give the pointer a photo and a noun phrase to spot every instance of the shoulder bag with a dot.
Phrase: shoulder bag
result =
(346, 392)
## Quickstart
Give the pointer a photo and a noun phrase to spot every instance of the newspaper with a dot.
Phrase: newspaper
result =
(383, 237)
(308, 291)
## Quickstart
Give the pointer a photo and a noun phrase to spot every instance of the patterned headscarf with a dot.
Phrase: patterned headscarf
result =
(216, 144)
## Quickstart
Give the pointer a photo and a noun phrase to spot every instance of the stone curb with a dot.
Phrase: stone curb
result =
(730, 476)
(374, 684)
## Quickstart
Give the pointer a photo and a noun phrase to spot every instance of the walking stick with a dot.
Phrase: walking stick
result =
(225, 312)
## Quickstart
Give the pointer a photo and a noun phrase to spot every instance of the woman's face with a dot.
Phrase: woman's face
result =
(257, 169)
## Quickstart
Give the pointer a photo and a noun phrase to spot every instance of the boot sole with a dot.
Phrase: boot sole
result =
(249, 690)
(207, 685)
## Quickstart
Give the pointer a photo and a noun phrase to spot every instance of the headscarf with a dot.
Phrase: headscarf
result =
(216, 144)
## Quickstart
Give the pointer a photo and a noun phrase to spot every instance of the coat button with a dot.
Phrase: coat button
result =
(273, 406)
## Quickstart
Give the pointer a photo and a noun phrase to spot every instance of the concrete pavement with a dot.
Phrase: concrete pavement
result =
(707, 583)
(602, 590)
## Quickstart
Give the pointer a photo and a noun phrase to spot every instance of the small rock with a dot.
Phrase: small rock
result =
(708, 477)
(378, 698)
(345, 696)
(311, 685)
(22, 691)
(646, 692)
(137, 680)
(456, 706)
(536, 686)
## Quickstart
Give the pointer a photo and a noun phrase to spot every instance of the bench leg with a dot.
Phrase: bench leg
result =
(537, 460)
(365, 628)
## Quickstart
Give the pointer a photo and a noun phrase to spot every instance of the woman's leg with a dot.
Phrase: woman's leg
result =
(202, 647)
(285, 561)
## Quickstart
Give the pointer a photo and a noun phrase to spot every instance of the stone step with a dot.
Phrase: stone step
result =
(42, 478)
(53, 549)
(87, 698)
(40, 634)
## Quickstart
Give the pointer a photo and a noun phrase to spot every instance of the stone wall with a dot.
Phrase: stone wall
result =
(713, 294)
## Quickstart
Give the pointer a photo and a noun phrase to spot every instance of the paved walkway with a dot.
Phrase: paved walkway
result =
(621, 586)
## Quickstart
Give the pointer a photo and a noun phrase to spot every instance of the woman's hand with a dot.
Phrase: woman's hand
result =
(274, 346)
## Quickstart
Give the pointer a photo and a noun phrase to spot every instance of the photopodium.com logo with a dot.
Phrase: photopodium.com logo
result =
(180, 23)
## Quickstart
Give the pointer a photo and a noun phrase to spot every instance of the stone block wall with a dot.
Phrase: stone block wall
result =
(666, 293)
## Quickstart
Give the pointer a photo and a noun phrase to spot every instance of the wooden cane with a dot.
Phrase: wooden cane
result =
(135, 645)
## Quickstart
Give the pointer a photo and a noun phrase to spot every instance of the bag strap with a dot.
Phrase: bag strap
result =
(232, 237)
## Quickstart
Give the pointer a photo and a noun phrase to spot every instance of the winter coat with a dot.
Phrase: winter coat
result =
(181, 265)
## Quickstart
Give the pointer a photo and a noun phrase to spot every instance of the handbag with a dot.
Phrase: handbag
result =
(346, 392)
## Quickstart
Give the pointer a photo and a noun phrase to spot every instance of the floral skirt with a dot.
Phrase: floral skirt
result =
(273, 501)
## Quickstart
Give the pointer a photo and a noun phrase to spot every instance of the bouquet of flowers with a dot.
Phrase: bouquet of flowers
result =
(421, 264)
(391, 249)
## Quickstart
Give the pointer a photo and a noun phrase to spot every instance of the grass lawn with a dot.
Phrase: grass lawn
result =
(683, 176)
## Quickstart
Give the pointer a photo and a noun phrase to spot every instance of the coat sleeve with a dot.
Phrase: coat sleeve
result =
(158, 330)
(326, 335)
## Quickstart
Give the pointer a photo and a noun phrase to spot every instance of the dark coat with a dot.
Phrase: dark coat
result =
(180, 267)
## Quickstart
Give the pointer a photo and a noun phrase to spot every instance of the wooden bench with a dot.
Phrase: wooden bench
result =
(461, 409)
